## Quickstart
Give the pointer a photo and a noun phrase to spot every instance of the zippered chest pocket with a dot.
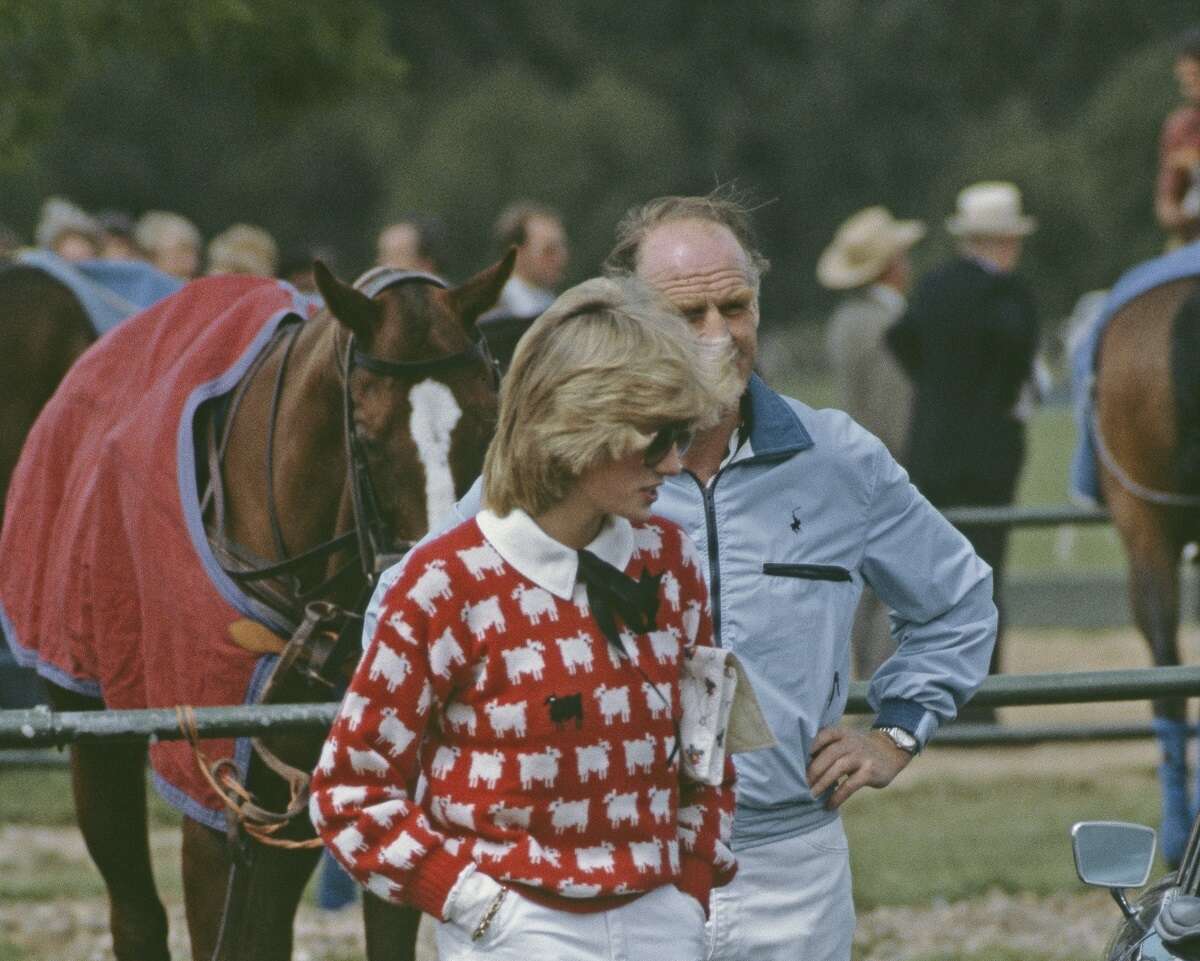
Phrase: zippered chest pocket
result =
(807, 572)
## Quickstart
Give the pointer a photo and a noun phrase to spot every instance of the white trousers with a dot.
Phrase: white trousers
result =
(664, 925)
(790, 901)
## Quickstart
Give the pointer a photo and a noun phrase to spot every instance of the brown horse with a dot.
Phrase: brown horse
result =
(1147, 430)
(44, 330)
(352, 430)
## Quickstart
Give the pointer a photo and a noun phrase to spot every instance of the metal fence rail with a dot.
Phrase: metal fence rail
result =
(41, 727)
(1025, 516)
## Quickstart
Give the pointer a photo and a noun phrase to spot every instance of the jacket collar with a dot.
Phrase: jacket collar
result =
(549, 564)
(775, 429)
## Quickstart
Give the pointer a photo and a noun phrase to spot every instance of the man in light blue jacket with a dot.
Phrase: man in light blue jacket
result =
(794, 510)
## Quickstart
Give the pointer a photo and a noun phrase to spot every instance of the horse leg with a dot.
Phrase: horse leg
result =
(1154, 594)
(390, 928)
(109, 786)
(206, 865)
(243, 912)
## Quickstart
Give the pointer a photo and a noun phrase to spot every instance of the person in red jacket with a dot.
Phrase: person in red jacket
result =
(1177, 189)
(506, 758)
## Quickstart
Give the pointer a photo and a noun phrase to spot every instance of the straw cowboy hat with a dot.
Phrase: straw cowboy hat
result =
(990, 209)
(863, 247)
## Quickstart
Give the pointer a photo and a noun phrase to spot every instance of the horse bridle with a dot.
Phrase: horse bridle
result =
(374, 537)
(371, 535)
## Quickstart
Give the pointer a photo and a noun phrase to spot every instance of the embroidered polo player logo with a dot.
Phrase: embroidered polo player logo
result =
(566, 708)
(796, 523)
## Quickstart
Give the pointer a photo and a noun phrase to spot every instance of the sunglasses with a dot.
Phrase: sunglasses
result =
(677, 436)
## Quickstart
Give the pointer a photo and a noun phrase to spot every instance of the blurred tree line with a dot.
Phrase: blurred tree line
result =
(323, 121)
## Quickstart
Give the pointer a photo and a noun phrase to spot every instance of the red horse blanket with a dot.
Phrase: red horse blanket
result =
(107, 584)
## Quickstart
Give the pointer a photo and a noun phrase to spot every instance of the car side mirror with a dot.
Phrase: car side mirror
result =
(1113, 854)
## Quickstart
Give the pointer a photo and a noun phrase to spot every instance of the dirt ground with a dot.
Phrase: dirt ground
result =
(1068, 926)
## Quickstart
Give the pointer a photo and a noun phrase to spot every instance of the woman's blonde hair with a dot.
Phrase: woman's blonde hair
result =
(605, 366)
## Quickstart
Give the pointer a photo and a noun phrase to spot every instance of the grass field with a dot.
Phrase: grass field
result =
(966, 857)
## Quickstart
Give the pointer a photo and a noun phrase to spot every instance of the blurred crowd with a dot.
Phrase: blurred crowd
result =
(173, 244)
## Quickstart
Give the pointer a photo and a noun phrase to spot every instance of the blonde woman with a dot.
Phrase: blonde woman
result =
(526, 663)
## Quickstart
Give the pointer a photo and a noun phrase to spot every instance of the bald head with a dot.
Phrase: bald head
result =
(704, 271)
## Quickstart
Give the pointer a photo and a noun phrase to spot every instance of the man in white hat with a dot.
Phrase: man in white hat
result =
(968, 341)
(869, 259)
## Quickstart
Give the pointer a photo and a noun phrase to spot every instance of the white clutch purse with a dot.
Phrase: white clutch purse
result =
(720, 713)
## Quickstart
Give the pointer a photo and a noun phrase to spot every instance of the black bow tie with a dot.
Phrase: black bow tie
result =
(611, 591)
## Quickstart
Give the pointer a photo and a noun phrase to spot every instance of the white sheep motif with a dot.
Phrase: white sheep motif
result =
(592, 759)
(434, 583)
(368, 762)
(444, 653)
(504, 816)
(402, 852)
(639, 754)
(398, 624)
(444, 760)
(665, 644)
(391, 665)
(569, 815)
(461, 717)
(352, 709)
(506, 717)
(493, 850)
(381, 886)
(328, 756)
(670, 587)
(343, 795)
(486, 766)
(349, 842)
(483, 617)
(614, 702)
(660, 804)
(540, 766)
(658, 699)
(570, 888)
(598, 858)
(526, 659)
(621, 808)
(384, 813)
(630, 645)
(576, 652)
(647, 855)
(647, 540)
(536, 603)
(481, 560)
(538, 854)
(395, 733)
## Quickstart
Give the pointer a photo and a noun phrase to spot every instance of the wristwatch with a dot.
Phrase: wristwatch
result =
(901, 738)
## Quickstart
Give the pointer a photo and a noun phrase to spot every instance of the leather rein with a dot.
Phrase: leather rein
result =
(370, 541)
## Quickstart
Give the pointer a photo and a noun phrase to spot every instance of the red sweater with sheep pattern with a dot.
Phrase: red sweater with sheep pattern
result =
(544, 751)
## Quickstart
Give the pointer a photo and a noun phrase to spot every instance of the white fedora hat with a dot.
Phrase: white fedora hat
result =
(863, 247)
(990, 209)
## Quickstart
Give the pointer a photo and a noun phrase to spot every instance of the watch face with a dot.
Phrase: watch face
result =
(901, 738)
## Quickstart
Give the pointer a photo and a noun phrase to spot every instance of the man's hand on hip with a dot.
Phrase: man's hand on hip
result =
(851, 760)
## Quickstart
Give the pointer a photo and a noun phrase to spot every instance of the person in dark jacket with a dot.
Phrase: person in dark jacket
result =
(968, 341)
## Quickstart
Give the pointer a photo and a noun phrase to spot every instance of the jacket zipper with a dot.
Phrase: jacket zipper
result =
(714, 562)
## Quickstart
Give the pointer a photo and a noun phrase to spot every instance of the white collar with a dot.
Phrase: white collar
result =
(889, 296)
(548, 563)
(739, 449)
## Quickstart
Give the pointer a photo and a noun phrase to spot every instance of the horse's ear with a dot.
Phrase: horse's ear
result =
(476, 295)
(352, 307)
